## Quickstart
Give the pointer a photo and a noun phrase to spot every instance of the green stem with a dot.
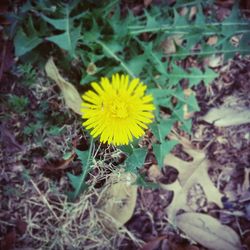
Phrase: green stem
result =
(85, 170)
(112, 54)
(143, 29)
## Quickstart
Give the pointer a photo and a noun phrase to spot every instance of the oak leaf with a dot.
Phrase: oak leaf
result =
(119, 198)
(208, 231)
(190, 174)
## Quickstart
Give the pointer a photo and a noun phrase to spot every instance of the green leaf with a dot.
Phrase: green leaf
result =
(162, 129)
(109, 49)
(137, 64)
(78, 181)
(161, 150)
(67, 40)
(194, 77)
(186, 123)
(244, 45)
(24, 43)
(83, 156)
(59, 24)
(136, 160)
(151, 21)
(179, 20)
(192, 103)
(209, 76)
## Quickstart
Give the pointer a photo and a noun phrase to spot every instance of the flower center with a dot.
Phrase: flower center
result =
(119, 109)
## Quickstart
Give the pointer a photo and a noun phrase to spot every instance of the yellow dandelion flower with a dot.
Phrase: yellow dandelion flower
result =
(118, 110)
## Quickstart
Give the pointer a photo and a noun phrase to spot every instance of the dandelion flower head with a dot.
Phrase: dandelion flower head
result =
(117, 110)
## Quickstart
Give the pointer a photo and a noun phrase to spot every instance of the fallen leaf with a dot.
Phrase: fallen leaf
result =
(71, 96)
(208, 231)
(186, 114)
(227, 116)
(154, 244)
(246, 182)
(190, 173)
(154, 172)
(119, 198)
(58, 165)
(169, 45)
(183, 11)
(214, 61)
(147, 3)
(188, 92)
(212, 40)
(192, 13)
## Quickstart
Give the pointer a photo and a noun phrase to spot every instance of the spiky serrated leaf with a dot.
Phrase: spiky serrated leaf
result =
(160, 150)
(24, 43)
(194, 77)
(136, 160)
(59, 24)
(137, 64)
(161, 129)
(186, 123)
(67, 40)
(78, 181)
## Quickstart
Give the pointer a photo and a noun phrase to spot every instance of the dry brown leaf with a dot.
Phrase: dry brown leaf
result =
(154, 244)
(183, 11)
(246, 182)
(188, 92)
(71, 96)
(208, 231)
(227, 116)
(154, 172)
(214, 61)
(190, 174)
(147, 2)
(169, 45)
(212, 40)
(120, 198)
(186, 113)
(192, 12)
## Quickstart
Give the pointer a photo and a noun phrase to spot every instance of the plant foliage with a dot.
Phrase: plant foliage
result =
(101, 40)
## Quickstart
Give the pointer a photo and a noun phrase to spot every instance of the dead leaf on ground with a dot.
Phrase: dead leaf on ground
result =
(190, 174)
(208, 231)
(71, 96)
(58, 165)
(227, 116)
(119, 199)
(154, 244)
(192, 13)
(214, 61)
(154, 173)
(212, 40)
(246, 182)
(147, 3)
(169, 45)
